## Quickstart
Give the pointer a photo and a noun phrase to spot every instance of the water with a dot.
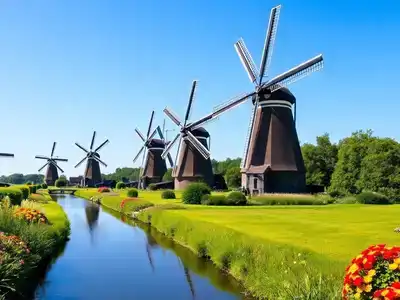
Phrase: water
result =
(107, 258)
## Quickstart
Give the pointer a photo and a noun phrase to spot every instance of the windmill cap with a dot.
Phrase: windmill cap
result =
(156, 143)
(201, 132)
(281, 94)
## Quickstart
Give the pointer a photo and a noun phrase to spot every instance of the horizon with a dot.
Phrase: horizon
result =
(84, 58)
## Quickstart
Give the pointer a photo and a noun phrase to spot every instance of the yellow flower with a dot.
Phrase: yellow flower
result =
(371, 272)
(367, 279)
(368, 288)
(357, 296)
(385, 292)
(393, 266)
(353, 268)
(359, 291)
(397, 261)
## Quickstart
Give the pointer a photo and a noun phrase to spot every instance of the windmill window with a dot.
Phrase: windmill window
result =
(255, 183)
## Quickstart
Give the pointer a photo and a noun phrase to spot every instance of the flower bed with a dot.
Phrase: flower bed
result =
(374, 274)
(103, 189)
(31, 215)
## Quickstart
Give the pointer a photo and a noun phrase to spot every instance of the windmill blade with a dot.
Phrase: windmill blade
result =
(79, 163)
(140, 134)
(93, 138)
(150, 123)
(249, 132)
(295, 74)
(52, 150)
(102, 145)
(137, 155)
(246, 60)
(191, 97)
(42, 157)
(199, 146)
(60, 159)
(7, 154)
(43, 167)
(99, 160)
(170, 160)
(160, 133)
(269, 41)
(57, 166)
(170, 145)
(81, 147)
(172, 116)
(176, 157)
(141, 165)
(220, 110)
(152, 134)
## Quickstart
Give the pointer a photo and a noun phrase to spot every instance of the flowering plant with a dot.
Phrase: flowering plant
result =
(31, 215)
(374, 274)
(12, 244)
(123, 202)
(103, 189)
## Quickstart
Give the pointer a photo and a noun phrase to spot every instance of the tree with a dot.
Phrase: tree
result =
(220, 167)
(320, 160)
(233, 177)
(168, 175)
(352, 151)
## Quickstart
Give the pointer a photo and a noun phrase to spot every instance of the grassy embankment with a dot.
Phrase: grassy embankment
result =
(20, 270)
(275, 251)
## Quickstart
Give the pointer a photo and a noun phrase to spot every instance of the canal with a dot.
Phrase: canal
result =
(110, 257)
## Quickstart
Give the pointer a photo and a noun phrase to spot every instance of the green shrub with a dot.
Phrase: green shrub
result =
(335, 194)
(209, 199)
(168, 194)
(60, 182)
(152, 187)
(15, 194)
(25, 191)
(132, 193)
(236, 198)
(28, 183)
(33, 189)
(120, 185)
(194, 193)
(44, 186)
(346, 200)
(287, 200)
(372, 198)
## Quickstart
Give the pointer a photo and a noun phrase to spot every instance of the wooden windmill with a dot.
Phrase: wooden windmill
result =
(92, 173)
(153, 166)
(192, 162)
(52, 166)
(272, 160)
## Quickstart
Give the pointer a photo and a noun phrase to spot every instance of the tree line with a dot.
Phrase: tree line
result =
(360, 162)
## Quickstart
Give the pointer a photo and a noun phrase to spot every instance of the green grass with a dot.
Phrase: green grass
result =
(260, 245)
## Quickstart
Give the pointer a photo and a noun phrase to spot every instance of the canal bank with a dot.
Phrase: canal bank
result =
(110, 258)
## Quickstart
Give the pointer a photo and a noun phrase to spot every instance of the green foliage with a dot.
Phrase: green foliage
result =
(14, 194)
(168, 175)
(168, 194)
(18, 178)
(123, 173)
(44, 186)
(132, 193)
(209, 199)
(221, 167)
(320, 160)
(28, 183)
(233, 177)
(288, 200)
(236, 198)
(194, 192)
(372, 198)
(60, 182)
(25, 191)
(152, 187)
(120, 185)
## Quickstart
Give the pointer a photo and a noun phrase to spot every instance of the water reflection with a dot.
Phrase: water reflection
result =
(92, 211)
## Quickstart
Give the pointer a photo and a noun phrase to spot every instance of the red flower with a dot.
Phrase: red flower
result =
(396, 285)
(358, 281)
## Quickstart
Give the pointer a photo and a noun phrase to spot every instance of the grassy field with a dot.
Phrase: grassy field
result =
(270, 247)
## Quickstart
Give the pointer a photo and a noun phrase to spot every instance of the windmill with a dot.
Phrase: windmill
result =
(92, 171)
(192, 161)
(52, 166)
(272, 160)
(6, 155)
(153, 166)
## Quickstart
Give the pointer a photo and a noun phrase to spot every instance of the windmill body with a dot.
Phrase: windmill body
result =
(52, 166)
(191, 165)
(274, 163)
(153, 166)
(92, 174)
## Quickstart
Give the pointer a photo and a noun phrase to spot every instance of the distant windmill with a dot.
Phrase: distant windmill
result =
(52, 166)
(92, 173)
(192, 161)
(153, 166)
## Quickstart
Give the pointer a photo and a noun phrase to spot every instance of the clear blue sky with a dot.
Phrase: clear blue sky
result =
(69, 67)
